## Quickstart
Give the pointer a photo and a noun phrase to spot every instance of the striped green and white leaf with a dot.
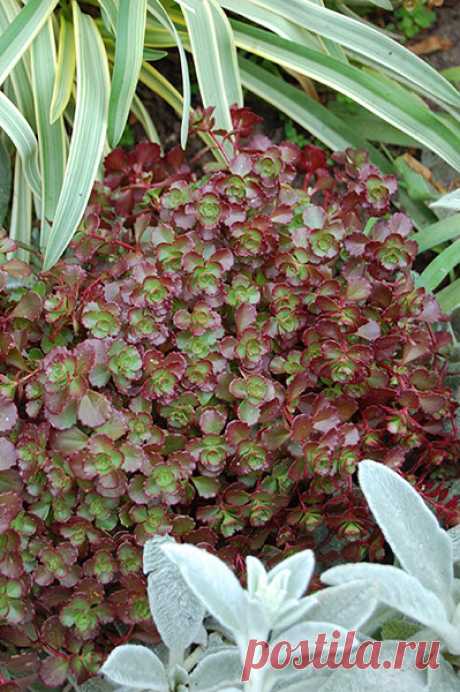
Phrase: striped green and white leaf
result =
(5, 181)
(367, 41)
(52, 138)
(449, 202)
(273, 22)
(21, 32)
(88, 137)
(156, 9)
(394, 105)
(449, 297)
(214, 54)
(129, 49)
(21, 211)
(307, 112)
(438, 233)
(142, 114)
(65, 70)
(440, 267)
(20, 74)
(21, 134)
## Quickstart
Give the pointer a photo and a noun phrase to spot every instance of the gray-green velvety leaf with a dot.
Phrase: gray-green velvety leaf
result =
(215, 670)
(454, 535)
(154, 558)
(443, 679)
(308, 680)
(409, 526)
(356, 680)
(402, 592)
(213, 583)
(176, 611)
(306, 631)
(300, 567)
(136, 666)
(309, 631)
(96, 685)
(348, 605)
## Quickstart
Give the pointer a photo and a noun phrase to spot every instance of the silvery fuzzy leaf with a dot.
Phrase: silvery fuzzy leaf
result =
(178, 676)
(408, 679)
(443, 679)
(231, 689)
(259, 620)
(201, 637)
(309, 680)
(369, 680)
(177, 613)
(348, 605)
(296, 612)
(154, 558)
(402, 592)
(379, 617)
(307, 631)
(422, 547)
(217, 669)
(454, 535)
(213, 583)
(136, 667)
(300, 567)
(256, 573)
(96, 685)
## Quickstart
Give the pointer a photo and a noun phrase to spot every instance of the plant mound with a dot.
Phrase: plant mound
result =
(213, 357)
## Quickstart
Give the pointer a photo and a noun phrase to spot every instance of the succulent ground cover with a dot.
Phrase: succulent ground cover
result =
(219, 348)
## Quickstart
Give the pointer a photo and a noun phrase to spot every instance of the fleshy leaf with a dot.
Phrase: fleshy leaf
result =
(94, 409)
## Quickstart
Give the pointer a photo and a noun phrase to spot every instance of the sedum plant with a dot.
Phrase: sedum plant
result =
(210, 361)
(70, 70)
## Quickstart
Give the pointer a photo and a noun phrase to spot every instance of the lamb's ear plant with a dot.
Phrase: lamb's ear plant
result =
(178, 616)
(423, 587)
(185, 580)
